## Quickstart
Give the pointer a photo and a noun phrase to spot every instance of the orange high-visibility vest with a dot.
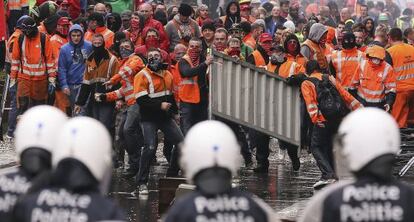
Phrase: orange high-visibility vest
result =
(374, 82)
(259, 61)
(403, 62)
(318, 53)
(287, 69)
(345, 63)
(188, 90)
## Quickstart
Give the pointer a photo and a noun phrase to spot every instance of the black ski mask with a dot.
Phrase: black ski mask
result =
(154, 64)
(349, 41)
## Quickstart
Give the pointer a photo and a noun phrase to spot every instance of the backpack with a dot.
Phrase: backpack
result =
(330, 102)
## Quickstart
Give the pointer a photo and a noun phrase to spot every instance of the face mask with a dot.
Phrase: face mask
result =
(277, 59)
(154, 64)
(348, 44)
(151, 42)
(135, 24)
(267, 47)
(194, 53)
(375, 61)
(292, 47)
(220, 47)
(322, 41)
(63, 30)
(234, 52)
(125, 53)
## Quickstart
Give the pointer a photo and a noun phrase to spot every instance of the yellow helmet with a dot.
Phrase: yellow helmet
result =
(244, 2)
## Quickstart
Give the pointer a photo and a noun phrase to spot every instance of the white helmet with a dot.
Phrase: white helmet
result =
(366, 134)
(208, 144)
(38, 128)
(88, 141)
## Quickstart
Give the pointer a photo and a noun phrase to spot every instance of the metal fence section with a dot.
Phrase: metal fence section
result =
(253, 97)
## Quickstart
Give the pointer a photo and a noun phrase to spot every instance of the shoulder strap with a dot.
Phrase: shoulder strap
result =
(43, 45)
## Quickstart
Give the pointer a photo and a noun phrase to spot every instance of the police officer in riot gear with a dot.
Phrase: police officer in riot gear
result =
(368, 140)
(35, 141)
(210, 157)
(82, 168)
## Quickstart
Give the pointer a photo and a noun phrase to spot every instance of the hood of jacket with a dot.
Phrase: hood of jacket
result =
(317, 31)
(228, 9)
(75, 27)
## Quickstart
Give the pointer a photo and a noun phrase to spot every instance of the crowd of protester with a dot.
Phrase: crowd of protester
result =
(150, 68)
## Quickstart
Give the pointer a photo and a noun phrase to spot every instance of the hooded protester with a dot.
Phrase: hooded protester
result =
(151, 40)
(369, 25)
(135, 30)
(232, 15)
(96, 25)
(79, 182)
(146, 11)
(182, 28)
(314, 47)
(119, 36)
(71, 64)
(292, 48)
(35, 142)
(113, 22)
(101, 65)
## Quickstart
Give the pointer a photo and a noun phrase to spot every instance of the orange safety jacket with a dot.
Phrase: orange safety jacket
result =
(107, 34)
(287, 69)
(153, 85)
(318, 53)
(301, 60)
(403, 62)
(14, 39)
(28, 63)
(17, 4)
(126, 74)
(373, 82)
(57, 42)
(346, 62)
(259, 61)
(310, 96)
(249, 41)
(176, 81)
(188, 90)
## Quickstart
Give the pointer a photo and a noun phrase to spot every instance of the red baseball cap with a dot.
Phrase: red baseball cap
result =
(63, 21)
(265, 37)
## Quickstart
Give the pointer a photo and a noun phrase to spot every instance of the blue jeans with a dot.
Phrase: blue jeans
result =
(11, 122)
(192, 114)
(74, 91)
(133, 136)
(172, 133)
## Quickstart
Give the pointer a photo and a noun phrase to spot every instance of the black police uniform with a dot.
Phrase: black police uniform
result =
(231, 206)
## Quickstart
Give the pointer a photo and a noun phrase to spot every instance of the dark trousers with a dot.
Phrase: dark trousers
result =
(322, 150)
(261, 142)
(192, 114)
(133, 136)
(172, 133)
(291, 150)
(104, 113)
(11, 122)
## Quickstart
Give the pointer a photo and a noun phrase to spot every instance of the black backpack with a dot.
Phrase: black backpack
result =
(330, 102)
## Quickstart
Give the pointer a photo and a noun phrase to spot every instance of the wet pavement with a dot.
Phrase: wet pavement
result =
(284, 190)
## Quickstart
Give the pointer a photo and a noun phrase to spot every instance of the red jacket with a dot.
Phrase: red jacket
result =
(152, 23)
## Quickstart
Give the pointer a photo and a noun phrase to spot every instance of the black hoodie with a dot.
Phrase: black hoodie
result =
(232, 18)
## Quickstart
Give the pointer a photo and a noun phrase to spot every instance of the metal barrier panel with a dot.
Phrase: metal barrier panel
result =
(253, 97)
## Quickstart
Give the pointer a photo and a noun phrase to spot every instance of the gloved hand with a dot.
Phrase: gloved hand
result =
(100, 97)
(52, 85)
(12, 82)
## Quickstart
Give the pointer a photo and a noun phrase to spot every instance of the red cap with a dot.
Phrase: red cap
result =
(63, 21)
(265, 37)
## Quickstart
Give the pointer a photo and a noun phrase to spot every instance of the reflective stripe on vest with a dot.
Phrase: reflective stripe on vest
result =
(152, 93)
(292, 69)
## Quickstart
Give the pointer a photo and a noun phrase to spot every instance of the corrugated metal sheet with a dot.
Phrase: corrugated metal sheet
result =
(255, 98)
